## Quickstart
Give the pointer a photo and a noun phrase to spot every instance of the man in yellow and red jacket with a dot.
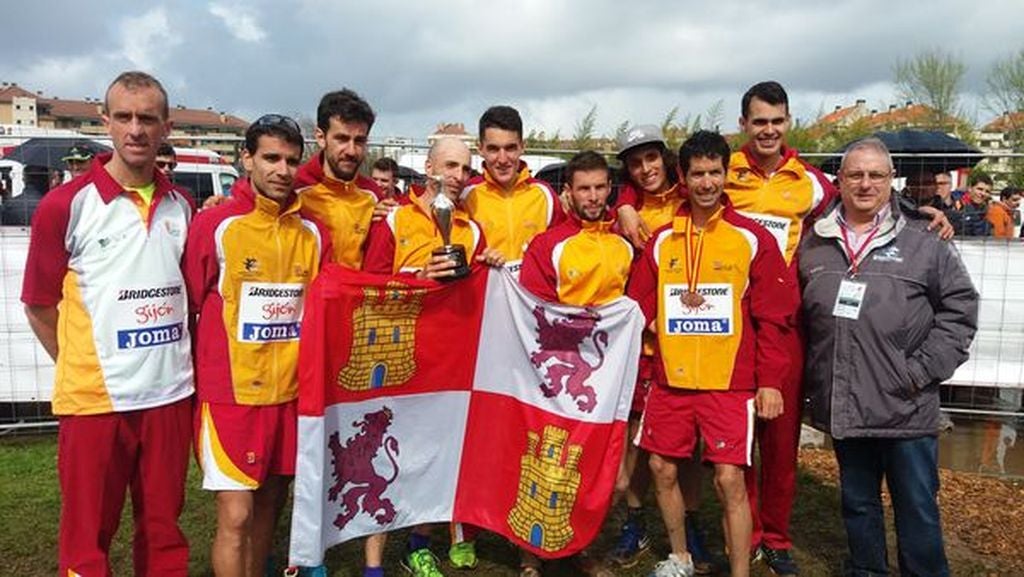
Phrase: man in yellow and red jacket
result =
(247, 265)
(402, 243)
(511, 206)
(330, 184)
(580, 262)
(716, 290)
(769, 183)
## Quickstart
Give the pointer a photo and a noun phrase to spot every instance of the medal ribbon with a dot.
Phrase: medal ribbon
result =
(855, 256)
(693, 257)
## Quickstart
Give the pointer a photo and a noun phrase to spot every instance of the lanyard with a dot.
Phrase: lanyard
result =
(855, 256)
(694, 254)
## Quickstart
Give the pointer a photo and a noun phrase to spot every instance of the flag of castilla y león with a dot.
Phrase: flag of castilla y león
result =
(470, 401)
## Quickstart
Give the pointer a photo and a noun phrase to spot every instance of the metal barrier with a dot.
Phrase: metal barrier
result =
(990, 383)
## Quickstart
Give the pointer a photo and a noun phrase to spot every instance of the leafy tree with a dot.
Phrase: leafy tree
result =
(620, 131)
(583, 135)
(714, 115)
(673, 133)
(933, 78)
(1006, 94)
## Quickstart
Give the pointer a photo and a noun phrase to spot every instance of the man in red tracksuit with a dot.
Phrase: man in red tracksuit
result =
(769, 183)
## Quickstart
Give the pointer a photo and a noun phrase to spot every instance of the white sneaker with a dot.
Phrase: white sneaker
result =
(674, 567)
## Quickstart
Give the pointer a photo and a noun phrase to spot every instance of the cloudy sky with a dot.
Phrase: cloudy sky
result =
(420, 63)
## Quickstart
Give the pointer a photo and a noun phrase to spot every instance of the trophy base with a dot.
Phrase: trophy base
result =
(456, 253)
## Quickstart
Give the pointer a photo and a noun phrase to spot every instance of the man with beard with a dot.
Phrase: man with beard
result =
(334, 192)
(580, 262)
(330, 184)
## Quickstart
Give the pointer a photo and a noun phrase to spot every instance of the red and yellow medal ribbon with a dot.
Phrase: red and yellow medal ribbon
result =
(693, 257)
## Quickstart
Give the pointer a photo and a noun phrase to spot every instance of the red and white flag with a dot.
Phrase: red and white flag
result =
(470, 401)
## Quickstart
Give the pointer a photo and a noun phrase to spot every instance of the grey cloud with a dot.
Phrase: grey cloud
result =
(423, 62)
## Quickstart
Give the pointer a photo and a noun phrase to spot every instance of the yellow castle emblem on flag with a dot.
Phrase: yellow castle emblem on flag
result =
(548, 483)
(383, 338)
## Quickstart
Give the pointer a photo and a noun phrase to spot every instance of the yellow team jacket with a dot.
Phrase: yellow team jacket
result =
(248, 265)
(344, 207)
(781, 202)
(511, 220)
(402, 242)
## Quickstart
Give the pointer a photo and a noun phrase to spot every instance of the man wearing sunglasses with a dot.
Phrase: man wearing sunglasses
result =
(166, 160)
(248, 293)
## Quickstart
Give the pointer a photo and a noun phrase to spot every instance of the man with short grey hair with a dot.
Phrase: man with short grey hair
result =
(890, 313)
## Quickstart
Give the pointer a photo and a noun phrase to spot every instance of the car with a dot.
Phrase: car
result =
(204, 173)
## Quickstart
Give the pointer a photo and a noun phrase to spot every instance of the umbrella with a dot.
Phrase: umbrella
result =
(49, 151)
(917, 151)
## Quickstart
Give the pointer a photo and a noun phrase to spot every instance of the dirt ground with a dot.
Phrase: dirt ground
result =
(982, 517)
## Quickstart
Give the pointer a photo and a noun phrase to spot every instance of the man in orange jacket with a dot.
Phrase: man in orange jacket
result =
(1003, 214)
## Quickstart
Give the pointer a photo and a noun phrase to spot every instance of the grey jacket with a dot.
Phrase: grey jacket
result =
(878, 376)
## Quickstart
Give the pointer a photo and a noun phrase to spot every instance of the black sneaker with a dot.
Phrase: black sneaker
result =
(703, 561)
(779, 561)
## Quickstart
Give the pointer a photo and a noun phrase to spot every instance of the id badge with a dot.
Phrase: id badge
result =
(849, 299)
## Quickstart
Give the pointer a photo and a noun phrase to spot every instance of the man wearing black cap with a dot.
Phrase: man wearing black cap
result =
(77, 159)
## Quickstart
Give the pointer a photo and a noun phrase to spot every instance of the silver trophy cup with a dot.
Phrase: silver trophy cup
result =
(444, 209)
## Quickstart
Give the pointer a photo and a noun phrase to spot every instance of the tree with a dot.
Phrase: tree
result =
(713, 116)
(933, 78)
(1006, 93)
(670, 130)
(620, 131)
(583, 136)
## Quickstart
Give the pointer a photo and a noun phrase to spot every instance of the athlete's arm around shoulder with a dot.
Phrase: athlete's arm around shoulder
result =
(379, 257)
(199, 263)
(537, 273)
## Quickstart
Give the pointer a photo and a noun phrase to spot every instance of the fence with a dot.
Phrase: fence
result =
(990, 383)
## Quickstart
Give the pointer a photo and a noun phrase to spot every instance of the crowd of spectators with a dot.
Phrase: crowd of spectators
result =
(973, 212)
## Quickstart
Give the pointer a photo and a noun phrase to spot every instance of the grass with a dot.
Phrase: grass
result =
(30, 505)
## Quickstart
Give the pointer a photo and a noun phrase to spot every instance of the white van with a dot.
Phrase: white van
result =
(204, 173)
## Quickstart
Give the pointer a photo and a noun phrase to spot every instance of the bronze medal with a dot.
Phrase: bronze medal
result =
(692, 299)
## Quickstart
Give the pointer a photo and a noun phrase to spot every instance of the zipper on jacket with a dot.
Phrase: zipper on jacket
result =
(279, 278)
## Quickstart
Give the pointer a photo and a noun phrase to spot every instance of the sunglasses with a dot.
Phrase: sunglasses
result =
(166, 164)
(278, 120)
